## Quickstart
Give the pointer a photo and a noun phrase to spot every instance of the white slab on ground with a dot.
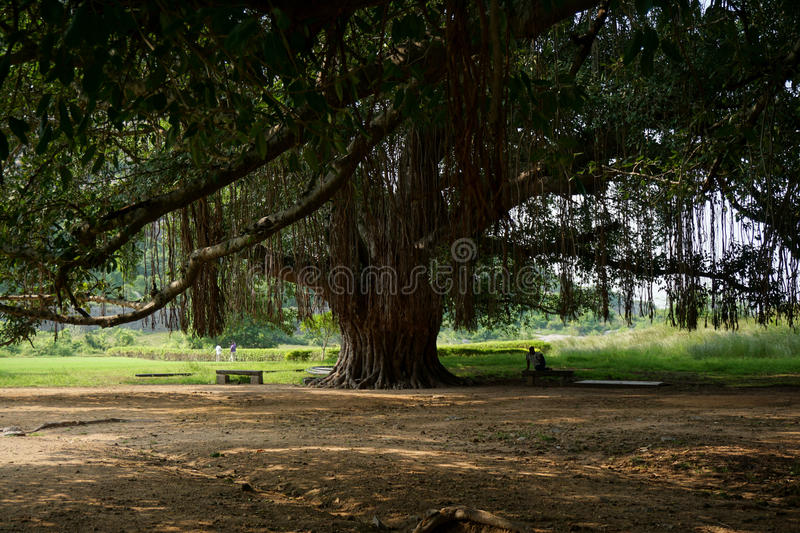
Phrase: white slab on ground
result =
(614, 383)
(320, 370)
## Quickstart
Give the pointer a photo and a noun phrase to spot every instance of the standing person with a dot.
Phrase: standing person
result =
(218, 349)
(233, 351)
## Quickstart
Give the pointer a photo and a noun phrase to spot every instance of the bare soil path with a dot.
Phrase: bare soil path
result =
(282, 458)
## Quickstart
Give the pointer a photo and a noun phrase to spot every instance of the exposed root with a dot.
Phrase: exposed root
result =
(462, 519)
(342, 378)
(69, 423)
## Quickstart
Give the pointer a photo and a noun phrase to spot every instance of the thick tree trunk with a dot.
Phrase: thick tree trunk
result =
(394, 350)
(389, 314)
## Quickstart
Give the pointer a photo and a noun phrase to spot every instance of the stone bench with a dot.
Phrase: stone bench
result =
(256, 376)
(563, 375)
(167, 375)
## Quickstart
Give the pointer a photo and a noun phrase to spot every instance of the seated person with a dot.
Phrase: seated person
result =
(537, 358)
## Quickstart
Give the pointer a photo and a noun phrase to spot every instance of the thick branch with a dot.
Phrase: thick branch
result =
(746, 118)
(49, 298)
(529, 184)
(531, 19)
(586, 40)
(257, 232)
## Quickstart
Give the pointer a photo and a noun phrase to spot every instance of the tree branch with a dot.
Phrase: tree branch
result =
(257, 232)
(586, 40)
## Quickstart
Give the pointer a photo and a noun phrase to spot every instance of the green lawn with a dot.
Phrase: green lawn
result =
(95, 371)
(753, 356)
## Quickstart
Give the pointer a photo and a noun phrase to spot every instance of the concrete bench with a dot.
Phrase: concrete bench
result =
(168, 375)
(256, 376)
(563, 375)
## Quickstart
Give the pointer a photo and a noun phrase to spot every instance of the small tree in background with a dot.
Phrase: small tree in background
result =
(321, 328)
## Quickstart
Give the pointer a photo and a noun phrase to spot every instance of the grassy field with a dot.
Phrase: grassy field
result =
(98, 371)
(753, 356)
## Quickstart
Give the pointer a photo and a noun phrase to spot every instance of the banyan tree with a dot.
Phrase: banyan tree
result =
(396, 161)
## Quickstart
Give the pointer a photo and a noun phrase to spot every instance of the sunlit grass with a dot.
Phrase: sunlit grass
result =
(752, 353)
(753, 356)
(99, 371)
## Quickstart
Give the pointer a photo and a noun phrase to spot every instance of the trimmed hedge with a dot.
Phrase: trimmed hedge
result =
(192, 354)
(490, 347)
(298, 355)
(284, 354)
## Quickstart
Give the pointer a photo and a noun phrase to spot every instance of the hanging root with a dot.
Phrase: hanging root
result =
(343, 378)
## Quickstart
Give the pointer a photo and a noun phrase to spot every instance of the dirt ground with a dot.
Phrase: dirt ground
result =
(283, 458)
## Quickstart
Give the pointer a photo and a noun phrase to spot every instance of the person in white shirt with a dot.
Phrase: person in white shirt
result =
(218, 349)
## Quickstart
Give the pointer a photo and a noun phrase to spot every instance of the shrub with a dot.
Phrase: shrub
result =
(63, 347)
(333, 352)
(247, 331)
(96, 340)
(298, 355)
(124, 337)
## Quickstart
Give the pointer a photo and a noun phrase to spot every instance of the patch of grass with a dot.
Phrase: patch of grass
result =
(544, 437)
(98, 371)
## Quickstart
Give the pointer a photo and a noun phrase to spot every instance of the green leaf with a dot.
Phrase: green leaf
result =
(44, 103)
(275, 55)
(238, 37)
(51, 11)
(644, 6)
(261, 144)
(19, 128)
(317, 102)
(172, 135)
(633, 47)
(196, 150)
(649, 47)
(157, 102)
(79, 28)
(281, 20)
(5, 67)
(87, 157)
(671, 51)
(92, 77)
(411, 26)
(579, 186)
(63, 119)
(75, 112)
(399, 96)
(66, 176)
(44, 140)
(293, 162)
(337, 86)
(64, 70)
(46, 52)
(3, 146)
(156, 78)
(98, 163)
(410, 103)
(310, 157)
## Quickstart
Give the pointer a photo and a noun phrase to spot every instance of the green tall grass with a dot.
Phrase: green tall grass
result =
(752, 353)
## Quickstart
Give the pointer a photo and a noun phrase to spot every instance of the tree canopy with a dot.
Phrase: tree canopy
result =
(579, 148)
